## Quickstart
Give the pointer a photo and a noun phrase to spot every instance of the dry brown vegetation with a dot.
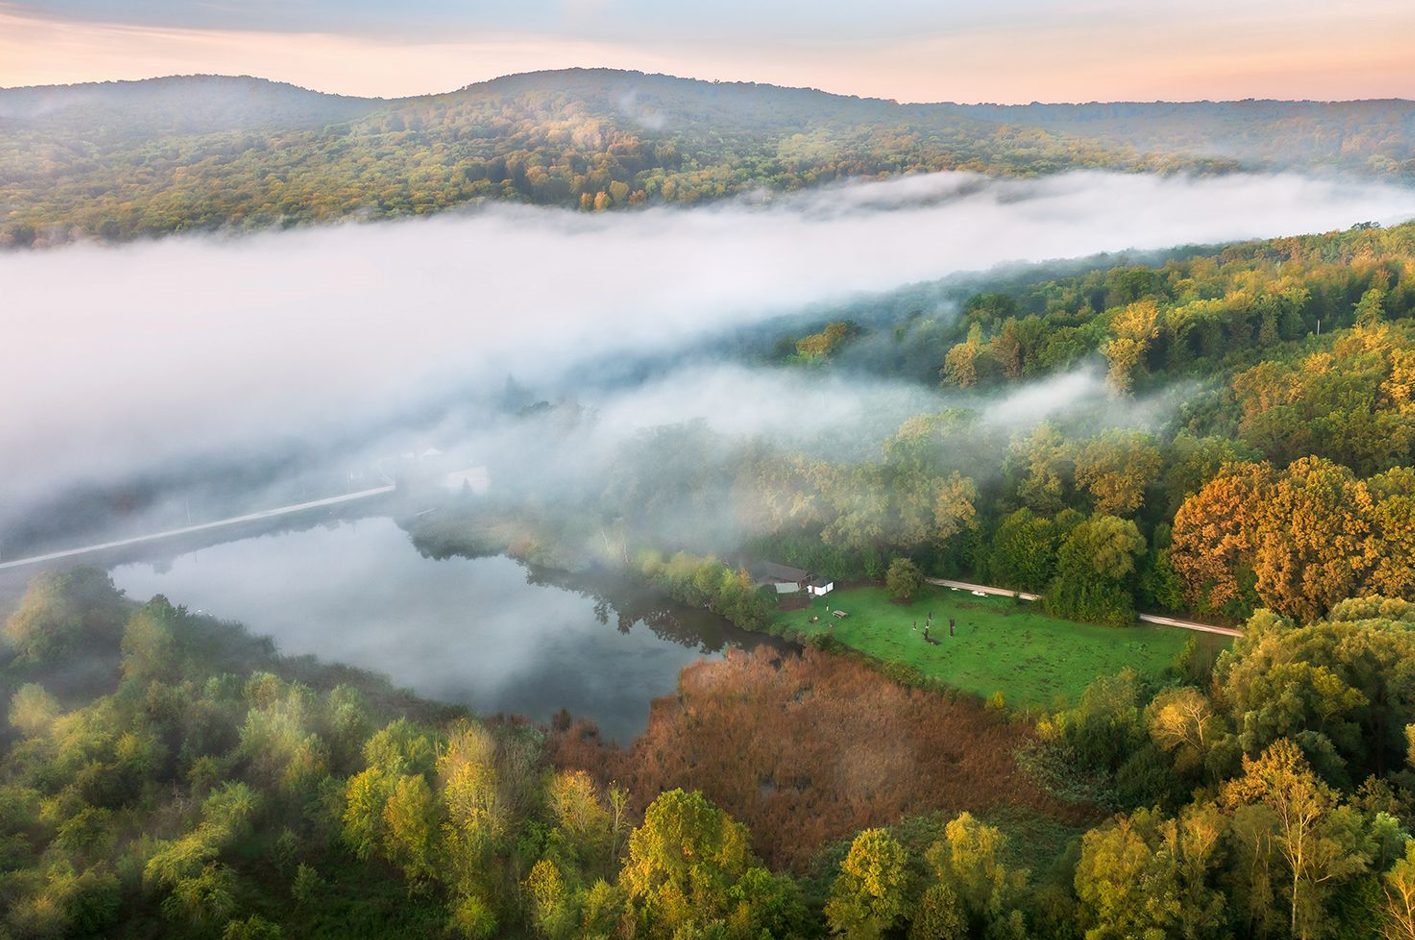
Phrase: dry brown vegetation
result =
(809, 749)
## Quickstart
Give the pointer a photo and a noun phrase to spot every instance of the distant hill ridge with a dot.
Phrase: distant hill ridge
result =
(178, 104)
(119, 160)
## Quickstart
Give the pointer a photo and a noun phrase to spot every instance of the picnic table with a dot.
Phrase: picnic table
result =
(839, 614)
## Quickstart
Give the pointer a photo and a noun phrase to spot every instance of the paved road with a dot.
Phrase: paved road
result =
(1147, 618)
(203, 527)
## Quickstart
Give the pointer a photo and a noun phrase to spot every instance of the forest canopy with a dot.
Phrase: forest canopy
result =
(123, 160)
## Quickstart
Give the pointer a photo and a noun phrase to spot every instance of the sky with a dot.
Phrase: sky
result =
(1009, 51)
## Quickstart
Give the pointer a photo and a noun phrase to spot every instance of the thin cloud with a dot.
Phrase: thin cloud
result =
(133, 357)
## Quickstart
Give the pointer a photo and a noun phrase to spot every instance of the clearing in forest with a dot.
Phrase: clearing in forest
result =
(999, 644)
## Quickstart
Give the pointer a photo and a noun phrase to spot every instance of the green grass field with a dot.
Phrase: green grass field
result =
(1000, 644)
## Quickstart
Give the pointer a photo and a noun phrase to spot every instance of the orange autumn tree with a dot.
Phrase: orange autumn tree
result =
(1307, 537)
(1215, 533)
(1316, 545)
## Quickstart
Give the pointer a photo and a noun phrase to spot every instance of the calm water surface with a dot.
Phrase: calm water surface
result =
(471, 631)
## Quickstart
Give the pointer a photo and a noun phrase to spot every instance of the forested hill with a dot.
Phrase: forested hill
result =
(112, 112)
(595, 139)
(121, 160)
(1376, 137)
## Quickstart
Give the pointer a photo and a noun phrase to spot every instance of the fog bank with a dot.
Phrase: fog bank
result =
(124, 358)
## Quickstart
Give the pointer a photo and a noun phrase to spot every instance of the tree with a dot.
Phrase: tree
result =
(1315, 546)
(960, 363)
(1105, 727)
(476, 816)
(1318, 839)
(410, 819)
(1127, 888)
(1399, 886)
(682, 865)
(1115, 468)
(1183, 725)
(954, 506)
(986, 894)
(254, 927)
(1393, 527)
(583, 824)
(150, 645)
(553, 910)
(33, 710)
(1350, 403)
(1046, 463)
(63, 613)
(1370, 309)
(1092, 565)
(397, 751)
(1343, 689)
(821, 345)
(867, 898)
(1008, 350)
(1216, 533)
(1148, 876)
(1023, 551)
(903, 579)
(937, 916)
(1191, 462)
(1134, 327)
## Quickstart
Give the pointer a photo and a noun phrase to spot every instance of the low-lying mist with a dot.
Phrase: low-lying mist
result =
(127, 359)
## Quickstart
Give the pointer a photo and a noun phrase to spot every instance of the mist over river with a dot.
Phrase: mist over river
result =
(469, 631)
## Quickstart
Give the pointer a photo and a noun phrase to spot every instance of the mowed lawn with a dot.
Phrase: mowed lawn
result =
(1000, 644)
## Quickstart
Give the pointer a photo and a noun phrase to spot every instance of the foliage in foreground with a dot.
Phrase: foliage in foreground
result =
(211, 789)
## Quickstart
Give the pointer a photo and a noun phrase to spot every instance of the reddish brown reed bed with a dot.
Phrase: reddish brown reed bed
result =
(808, 749)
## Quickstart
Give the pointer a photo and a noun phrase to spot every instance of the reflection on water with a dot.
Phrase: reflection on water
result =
(480, 632)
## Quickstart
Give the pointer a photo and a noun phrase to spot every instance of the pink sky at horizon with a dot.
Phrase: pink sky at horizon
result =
(1304, 55)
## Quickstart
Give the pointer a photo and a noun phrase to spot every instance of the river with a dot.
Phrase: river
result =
(483, 632)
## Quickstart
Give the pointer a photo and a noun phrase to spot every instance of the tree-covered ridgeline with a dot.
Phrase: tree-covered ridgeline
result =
(124, 160)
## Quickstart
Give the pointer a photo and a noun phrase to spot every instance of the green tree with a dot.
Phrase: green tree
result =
(1151, 877)
(64, 613)
(33, 710)
(1023, 551)
(410, 819)
(1116, 468)
(903, 579)
(683, 864)
(1320, 841)
(1093, 566)
(1370, 309)
(1399, 886)
(553, 909)
(987, 893)
(867, 899)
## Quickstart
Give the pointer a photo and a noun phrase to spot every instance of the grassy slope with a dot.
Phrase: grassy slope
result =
(1000, 644)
